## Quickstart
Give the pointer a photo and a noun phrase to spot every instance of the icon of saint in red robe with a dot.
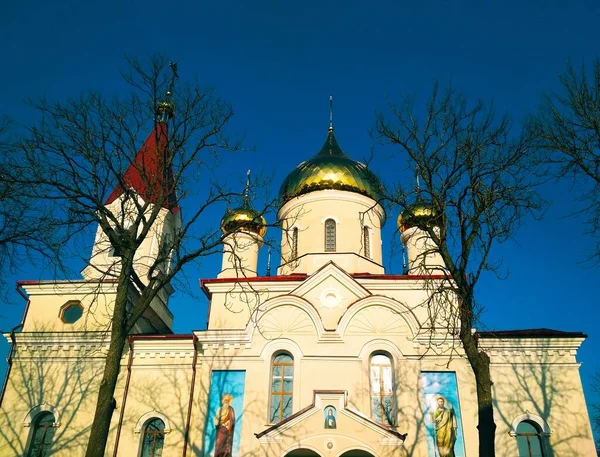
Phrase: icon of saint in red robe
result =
(225, 424)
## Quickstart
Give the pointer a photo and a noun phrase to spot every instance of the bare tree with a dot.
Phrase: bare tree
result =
(472, 170)
(77, 156)
(567, 128)
(28, 229)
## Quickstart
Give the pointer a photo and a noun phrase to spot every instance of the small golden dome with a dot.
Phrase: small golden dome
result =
(417, 214)
(330, 169)
(245, 219)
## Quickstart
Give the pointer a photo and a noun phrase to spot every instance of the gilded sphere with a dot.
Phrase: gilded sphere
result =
(244, 219)
(330, 169)
(415, 215)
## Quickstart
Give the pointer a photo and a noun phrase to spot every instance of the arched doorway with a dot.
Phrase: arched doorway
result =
(357, 453)
(302, 453)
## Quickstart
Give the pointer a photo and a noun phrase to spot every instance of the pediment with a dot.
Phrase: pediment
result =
(331, 290)
(329, 415)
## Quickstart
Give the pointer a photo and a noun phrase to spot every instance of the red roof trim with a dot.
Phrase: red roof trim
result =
(530, 333)
(163, 337)
(146, 175)
(302, 276)
(406, 277)
(205, 282)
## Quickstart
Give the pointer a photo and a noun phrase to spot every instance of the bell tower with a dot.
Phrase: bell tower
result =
(147, 182)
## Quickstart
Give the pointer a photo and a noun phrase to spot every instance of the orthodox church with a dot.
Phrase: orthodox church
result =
(329, 356)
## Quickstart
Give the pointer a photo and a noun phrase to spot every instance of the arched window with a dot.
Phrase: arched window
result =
(282, 380)
(367, 242)
(295, 243)
(42, 434)
(329, 235)
(382, 389)
(529, 439)
(153, 439)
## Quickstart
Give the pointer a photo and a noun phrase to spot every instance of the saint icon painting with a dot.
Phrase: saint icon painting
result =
(225, 427)
(444, 433)
(330, 417)
(225, 406)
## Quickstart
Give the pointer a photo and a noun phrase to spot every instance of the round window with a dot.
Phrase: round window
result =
(71, 312)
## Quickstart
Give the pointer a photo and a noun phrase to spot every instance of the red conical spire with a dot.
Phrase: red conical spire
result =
(148, 174)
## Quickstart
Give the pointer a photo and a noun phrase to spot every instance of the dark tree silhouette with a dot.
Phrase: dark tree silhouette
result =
(473, 172)
(567, 131)
(77, 156)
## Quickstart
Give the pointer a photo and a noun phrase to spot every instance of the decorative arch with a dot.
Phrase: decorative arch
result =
(143, 420)
(527, 416)
(286, 300)
(380, 346)
(297, 447)
(378, 300)
(335, 218)
(358, 448)
(273, 347)
(44, 407)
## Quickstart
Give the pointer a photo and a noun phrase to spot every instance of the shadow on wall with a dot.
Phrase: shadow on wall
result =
(48, 401)
(547, 397)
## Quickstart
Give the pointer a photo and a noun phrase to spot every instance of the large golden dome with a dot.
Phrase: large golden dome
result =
(330, 169)
(245, 219)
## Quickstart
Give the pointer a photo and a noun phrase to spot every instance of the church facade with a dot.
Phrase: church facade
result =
(330, 356)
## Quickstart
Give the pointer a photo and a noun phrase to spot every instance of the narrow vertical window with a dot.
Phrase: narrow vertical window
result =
(295, 243)
(42, 435)
(329, 235)
(382, 389)
(282, 379)
(153, 439)
(367, 242)
(529, 440)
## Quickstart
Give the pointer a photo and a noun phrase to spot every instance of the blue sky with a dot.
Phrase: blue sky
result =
(277, 62)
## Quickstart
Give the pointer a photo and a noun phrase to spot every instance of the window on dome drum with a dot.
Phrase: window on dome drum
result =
(153, 439)
(282, 379)
(367, 242)
(529, 440)
(42, 434)
(295, 243)
(330, 235)
(71, 312)
(382, 389)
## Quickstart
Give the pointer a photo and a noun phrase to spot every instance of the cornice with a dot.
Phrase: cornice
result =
(68, 287)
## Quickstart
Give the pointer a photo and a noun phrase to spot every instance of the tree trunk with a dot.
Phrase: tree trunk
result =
(105, 404)
(486, 425)
(480, 364)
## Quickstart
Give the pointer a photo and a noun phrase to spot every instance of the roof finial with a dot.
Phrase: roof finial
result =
(269, 261)
(247, 189)
(331, 113)
(166, 108)
(418, 183)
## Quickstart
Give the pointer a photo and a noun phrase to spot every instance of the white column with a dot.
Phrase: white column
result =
(240, 255)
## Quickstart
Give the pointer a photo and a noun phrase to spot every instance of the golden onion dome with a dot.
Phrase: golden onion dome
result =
(244, 218)
(330, 169)
(415, 215)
